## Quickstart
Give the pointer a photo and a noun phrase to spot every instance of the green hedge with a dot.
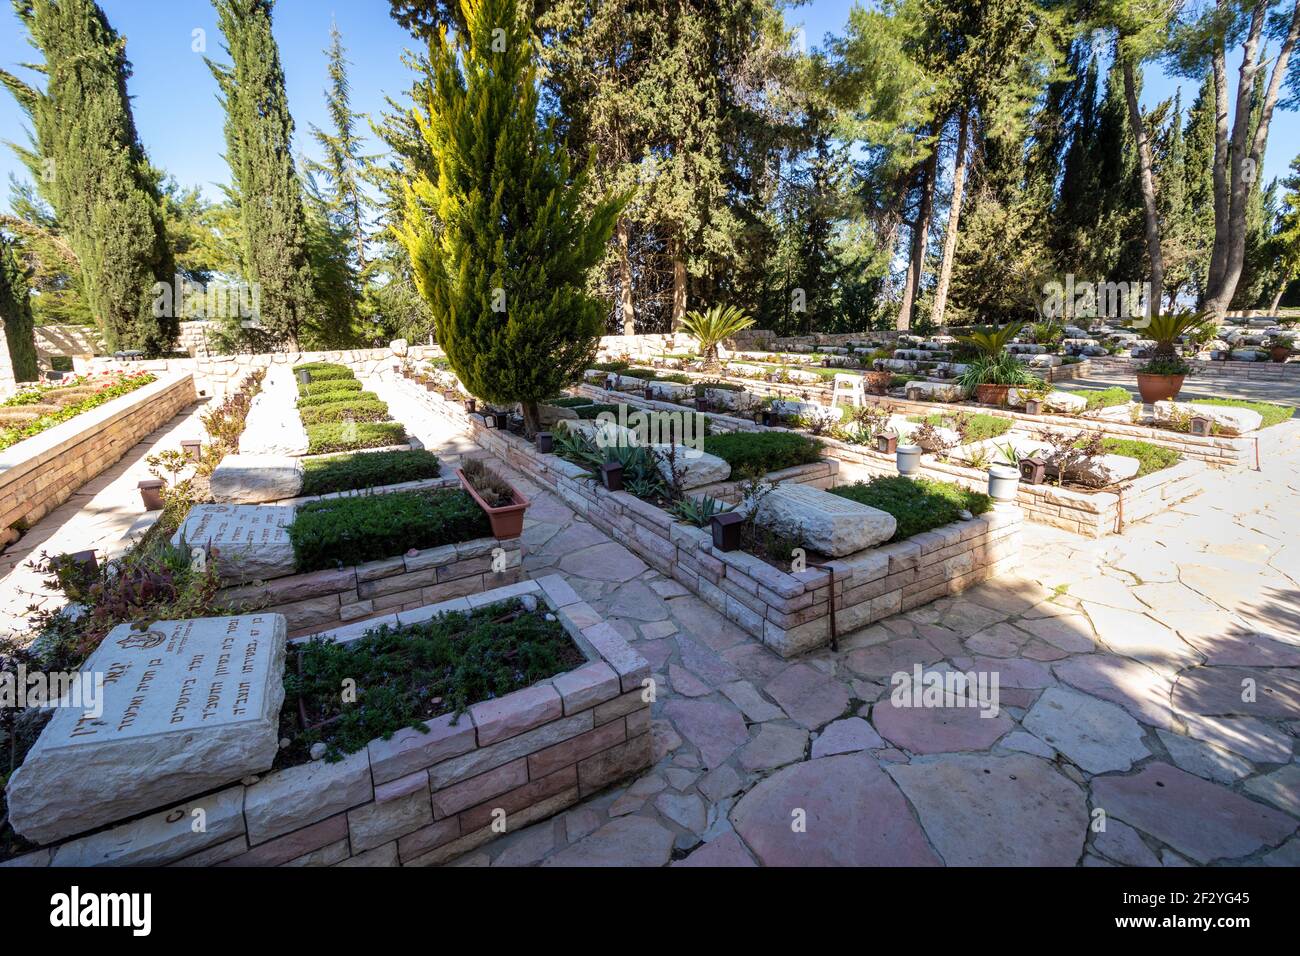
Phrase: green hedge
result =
(322, 476)
(329, 398)
(345, 531)
(569, 401)
(333, 436)
(762, 452)
(358, 411)
(592, 410)
(917, 504)
(329, 385)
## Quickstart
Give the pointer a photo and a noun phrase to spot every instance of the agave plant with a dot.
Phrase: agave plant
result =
(991, 342)
(712, 327)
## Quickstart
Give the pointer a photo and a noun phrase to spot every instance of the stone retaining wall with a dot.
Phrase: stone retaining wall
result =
(336, 596)
(1257, 371)
(40, 473)
(1092, 514)
(417, 799)
(790, 612)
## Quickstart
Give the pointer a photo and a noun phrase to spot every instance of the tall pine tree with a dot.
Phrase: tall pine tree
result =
(91, 168)
(500, 243)
(265, 183)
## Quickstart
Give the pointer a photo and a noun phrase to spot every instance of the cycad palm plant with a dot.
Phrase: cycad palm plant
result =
(1165, 330)
(991, 341)
(712, 327)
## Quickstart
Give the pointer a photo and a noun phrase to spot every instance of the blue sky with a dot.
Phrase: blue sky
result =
(180, 119)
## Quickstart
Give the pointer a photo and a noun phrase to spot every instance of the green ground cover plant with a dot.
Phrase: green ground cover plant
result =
(917, 504)
(351, 436)
(329, 398)
(410, 674)
(323, 476)
(12, 434)
(345, 531)
(1272, 413)
(369, 410)
(329, 385)
(1152, 458)
(979, 427)
(751, 453)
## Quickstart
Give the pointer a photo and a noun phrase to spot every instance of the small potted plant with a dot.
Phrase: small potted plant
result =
(994, 371)
(503, 505)
(1281, 348)
(1162, 376)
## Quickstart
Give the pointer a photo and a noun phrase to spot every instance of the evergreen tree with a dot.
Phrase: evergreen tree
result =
(1198, 166)
(1286, 239)
(90, 166)
(265, 183)
(500, 244)
(347, 202)
(16, 314)
(1176, 228)
(53, 270)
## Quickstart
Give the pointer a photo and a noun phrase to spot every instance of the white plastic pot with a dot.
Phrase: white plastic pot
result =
(1004, 481)
(908, 459)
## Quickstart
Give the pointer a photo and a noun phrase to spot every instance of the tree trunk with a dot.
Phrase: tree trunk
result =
(1277, 299)
(679, 288)
(920, 238)
(532, 418)
(1247, 157)
(954, 219)
(627, 312)
(1219, 250)
(1147, 183)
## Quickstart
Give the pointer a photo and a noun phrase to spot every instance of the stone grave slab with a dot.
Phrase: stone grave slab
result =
(827, 523)
(253, 479)
(249, 542)
(187, 706)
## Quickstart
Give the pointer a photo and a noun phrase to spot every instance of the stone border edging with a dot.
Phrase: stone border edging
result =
(418, 799)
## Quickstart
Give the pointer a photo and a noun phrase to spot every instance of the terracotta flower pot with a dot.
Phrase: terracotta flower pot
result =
(878, 382)
(1158, 388)
(1279, 353)
(507, 520)
(992, 394)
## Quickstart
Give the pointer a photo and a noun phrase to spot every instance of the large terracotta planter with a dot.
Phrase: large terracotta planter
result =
(1279, 353)
(508, 520)
(992, 394)
(1158, 388)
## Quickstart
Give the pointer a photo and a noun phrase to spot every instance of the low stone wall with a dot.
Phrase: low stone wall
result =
(1093, 514)
(336, 596)
(417, 799)
(1238, 371)
(40, 473)
(790, 612)
(1064, 373)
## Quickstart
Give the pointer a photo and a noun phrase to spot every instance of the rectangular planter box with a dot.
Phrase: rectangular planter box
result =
(788, 612)
(40, 473)
(418, 799)
(1091, 514)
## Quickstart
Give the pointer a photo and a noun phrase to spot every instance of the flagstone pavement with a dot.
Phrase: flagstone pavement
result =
(1149, 691)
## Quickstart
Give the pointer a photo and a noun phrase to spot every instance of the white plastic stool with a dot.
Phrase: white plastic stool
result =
(850, 386)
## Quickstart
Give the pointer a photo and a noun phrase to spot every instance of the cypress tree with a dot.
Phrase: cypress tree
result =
(501, 243)
(93, 170)
(16, 314)
(1198, 167)
(266, 187)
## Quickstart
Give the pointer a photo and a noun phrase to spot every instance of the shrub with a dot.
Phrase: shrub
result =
(917, 504)
(1273, 414)
(489, 485)
(328, 398)
(357, 411)
(619, 366)
(1152, 458)
(322, 476)
(416, 672)
(350, 436)
(329, 385)
(751, 453)
(346, 531)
